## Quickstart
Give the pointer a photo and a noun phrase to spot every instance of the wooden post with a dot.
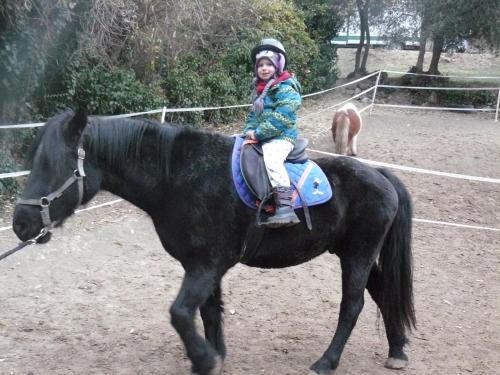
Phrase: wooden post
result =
(163, 112)
(375, 91)
(498, 105)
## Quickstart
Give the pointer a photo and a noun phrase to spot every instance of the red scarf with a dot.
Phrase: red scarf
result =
(261, 84)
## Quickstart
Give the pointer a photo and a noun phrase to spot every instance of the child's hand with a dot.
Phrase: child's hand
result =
(251, 134)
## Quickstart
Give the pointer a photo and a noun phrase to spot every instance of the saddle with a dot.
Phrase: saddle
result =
(253, 168)
(309, 184)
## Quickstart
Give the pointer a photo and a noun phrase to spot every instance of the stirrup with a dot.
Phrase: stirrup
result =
(283, 219)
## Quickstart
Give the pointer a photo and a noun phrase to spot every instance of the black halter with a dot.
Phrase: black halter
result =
(44, 202)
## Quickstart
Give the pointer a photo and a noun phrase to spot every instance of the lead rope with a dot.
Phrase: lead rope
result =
(22, 245)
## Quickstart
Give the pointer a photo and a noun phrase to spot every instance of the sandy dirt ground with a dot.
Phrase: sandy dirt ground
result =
(95, 299)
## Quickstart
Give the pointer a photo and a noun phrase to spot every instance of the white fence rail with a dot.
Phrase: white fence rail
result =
(488, 88)
(373, 104)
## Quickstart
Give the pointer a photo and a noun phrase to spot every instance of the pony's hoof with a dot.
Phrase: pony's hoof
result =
(395, 363)
(219, 364)
(322, 367)
(217, 369)
(324, 372)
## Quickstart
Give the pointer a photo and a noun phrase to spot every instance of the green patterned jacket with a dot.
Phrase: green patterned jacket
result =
(278, 120)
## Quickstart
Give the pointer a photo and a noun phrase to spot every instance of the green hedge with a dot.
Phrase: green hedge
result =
(103, 91)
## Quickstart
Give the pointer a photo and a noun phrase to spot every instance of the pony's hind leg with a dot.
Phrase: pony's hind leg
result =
(353, 148)
(341, 137)
(354, 278)
(195, 290)
(211, 314)
(394, 329)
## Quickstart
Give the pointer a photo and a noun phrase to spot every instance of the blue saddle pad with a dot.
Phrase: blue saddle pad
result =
(308, 177)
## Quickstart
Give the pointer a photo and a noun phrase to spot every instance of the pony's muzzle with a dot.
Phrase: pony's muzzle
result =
(27, 222)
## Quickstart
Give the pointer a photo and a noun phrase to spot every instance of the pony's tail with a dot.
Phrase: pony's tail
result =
(395, 262)
(341, 128)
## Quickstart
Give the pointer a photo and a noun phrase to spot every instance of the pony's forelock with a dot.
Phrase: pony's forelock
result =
(49, 141)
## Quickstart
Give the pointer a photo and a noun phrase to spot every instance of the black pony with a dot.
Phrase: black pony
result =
(182, 178)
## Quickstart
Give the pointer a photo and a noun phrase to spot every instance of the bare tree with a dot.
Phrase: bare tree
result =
(142, 32)
(108, 26)
(451, 20)
(363, 10)
(424, 35)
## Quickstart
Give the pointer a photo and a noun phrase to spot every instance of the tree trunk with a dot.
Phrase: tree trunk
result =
(363, 26)
(437, 48)
(362, 68)
(424, 35)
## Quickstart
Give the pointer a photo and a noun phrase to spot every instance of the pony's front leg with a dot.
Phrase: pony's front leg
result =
(196, 288)
(211, 314)
(354, 279)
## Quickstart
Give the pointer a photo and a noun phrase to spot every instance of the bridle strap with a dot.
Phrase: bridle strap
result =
(81, 172)
(44, 202)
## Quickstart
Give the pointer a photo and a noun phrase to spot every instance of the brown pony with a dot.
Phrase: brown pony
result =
(346, 126)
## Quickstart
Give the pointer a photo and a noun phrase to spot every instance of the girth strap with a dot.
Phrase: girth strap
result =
(307, 215)
(252, 241)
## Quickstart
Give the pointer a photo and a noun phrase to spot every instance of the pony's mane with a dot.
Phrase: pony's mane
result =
(125, 139)
(114, 139)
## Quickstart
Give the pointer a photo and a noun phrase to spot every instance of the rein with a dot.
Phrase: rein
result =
(44, 202)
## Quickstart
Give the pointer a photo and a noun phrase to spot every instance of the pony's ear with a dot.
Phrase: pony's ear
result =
(75, 127)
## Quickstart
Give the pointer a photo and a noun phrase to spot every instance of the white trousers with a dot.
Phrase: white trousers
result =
(275, 152)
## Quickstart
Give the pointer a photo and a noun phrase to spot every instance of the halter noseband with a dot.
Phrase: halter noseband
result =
(44, 202)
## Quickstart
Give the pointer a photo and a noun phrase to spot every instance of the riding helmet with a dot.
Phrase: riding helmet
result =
(269, 44)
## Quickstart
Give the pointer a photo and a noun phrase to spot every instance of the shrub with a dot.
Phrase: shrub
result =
(220, 76)
(14, 146)
(184, 88)
(103, 91)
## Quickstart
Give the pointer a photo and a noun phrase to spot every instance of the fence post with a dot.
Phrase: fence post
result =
(163, 112)
(498, 105)
(375, 91)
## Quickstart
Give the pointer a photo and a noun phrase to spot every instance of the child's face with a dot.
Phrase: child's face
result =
(265, 69)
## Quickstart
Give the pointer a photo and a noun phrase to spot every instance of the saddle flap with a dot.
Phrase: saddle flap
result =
(254, 171)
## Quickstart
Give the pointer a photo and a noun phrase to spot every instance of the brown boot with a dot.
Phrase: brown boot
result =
(285, 215)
